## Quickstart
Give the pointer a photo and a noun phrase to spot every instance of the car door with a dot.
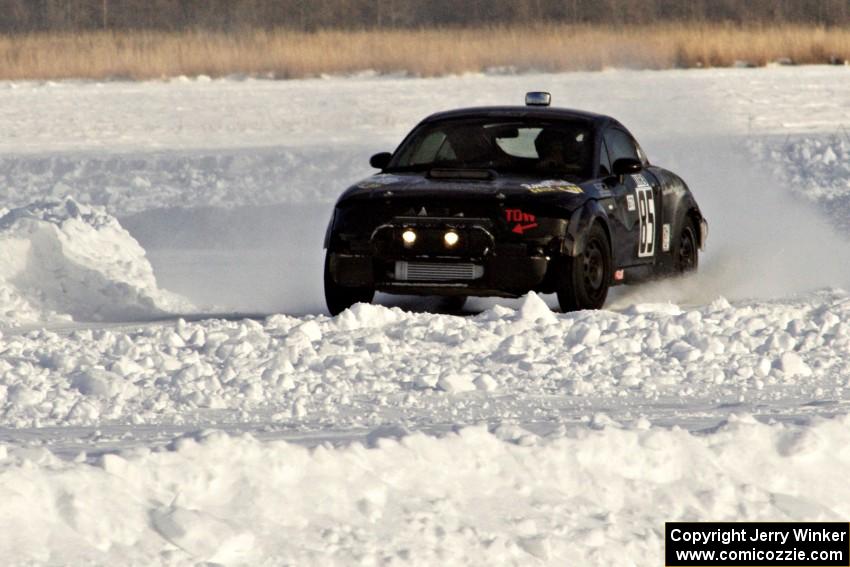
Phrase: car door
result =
(637, 204)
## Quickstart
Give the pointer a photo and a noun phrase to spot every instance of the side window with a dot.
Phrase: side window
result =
(620, 145)
(641, 155)
(604, 160)
(428, 149)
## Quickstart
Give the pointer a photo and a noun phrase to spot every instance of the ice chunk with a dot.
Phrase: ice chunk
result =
(454, 383)
(534, 309)
(791, 364)
(201, 535)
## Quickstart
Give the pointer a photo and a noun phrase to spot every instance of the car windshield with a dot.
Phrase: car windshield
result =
(529, 147)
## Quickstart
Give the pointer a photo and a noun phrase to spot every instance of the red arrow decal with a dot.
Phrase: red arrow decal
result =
(520, 228)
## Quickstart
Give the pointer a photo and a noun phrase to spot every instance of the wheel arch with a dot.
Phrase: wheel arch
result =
(580, 225)
(329, 231)
(695, 217)
(584, 279)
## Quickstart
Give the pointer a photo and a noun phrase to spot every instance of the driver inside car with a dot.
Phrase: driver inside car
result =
(559, 150)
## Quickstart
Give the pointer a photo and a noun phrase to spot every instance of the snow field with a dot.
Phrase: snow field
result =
(512, 436)
(592, 495)
(138, 146)
(160, 154)
(372, 364)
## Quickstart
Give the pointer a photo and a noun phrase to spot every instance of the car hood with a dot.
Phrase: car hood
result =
(511, 189)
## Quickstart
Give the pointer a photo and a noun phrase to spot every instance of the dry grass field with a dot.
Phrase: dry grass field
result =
(424, 52)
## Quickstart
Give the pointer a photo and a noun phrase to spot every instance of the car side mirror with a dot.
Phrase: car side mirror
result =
(381, 160)
(626, 166)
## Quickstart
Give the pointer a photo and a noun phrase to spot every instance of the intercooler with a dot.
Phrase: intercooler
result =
(437, 272)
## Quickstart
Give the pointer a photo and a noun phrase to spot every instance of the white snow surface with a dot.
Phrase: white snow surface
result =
(60, 259)
(591, 495)
(373, 365)
(257, 430)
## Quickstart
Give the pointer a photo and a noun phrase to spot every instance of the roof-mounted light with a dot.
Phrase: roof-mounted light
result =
(538, 98)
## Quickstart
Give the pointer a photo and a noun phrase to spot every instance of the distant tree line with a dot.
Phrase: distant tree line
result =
(24, 16)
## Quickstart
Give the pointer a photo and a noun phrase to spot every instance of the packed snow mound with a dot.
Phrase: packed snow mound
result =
(815, 168)
(372, 363)
(60, 259)
(587, 495)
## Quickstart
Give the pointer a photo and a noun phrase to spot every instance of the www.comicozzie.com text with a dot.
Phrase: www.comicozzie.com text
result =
(726, 537)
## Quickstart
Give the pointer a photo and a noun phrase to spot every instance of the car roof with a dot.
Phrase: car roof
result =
(539, 112)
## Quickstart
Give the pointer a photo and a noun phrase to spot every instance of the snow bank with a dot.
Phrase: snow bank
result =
(816, 168)
(372, 363)
(141, 181)
(586, 496)
(61, 260)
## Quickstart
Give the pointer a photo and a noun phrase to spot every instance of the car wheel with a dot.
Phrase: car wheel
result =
(686, 252)
(339, 298)
(453, 303)
(584, 280)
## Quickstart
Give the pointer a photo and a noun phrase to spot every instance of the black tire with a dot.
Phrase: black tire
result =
(453, 303)
(339, 298)
(584, 280)
(685, 250)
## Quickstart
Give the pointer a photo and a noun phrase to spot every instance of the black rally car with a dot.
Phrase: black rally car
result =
(499, 201)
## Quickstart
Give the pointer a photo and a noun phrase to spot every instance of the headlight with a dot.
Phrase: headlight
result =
(451, 238)
(408, 236)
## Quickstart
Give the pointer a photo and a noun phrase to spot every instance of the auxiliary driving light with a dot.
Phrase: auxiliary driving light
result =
(408, 236)
(451, 238)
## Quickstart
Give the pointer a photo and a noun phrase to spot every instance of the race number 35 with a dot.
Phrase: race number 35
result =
(646, 217)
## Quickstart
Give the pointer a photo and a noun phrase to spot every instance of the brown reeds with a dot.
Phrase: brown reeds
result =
(424, 52)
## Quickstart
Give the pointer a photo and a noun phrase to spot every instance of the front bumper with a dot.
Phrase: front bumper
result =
(487, 259)
(500, 275)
